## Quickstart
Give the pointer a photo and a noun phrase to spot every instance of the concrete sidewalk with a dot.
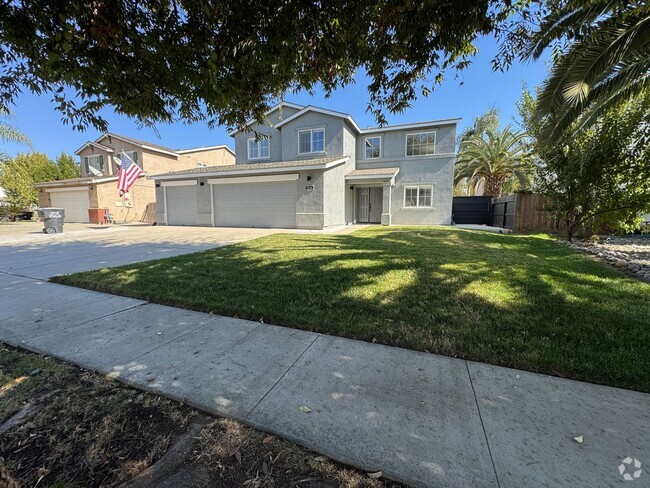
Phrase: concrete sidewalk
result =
(422, 419)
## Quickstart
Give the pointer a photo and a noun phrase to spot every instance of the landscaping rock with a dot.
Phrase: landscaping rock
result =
(629, 254)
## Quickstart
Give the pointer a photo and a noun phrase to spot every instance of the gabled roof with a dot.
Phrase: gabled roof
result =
(206, 148)
(94, 144)
(270, 111)
(139, 143)
(256, 168)
(370, 130)
(311, 108)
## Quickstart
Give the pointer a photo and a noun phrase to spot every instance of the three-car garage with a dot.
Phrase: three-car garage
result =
(279, 194)
(267, 201)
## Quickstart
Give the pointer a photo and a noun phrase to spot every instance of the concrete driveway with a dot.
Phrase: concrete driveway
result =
(27, 252)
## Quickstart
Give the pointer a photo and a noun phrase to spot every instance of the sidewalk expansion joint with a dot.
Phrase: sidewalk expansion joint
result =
(283, 375)
(487, 440)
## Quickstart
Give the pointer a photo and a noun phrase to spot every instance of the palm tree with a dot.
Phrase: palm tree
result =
(9, 133)
(494, 158)
(606, 61)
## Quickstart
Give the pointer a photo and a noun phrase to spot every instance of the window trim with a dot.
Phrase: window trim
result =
(417, 206)
(406, 138)
(130, 155)
(311, 140)
(248, 147)
(87, 162)
(381, 146)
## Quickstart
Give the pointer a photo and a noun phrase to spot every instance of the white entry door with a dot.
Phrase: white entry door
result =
(75, 203)
(363, 205)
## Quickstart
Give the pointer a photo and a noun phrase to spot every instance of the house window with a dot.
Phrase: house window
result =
(418, 196)
(96, 162)
(373, 147)
(421, 144)
(259, 148)
(311, 141)
(133, 155)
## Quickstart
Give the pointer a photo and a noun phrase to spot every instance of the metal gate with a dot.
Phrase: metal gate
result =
(471, 210)
(503, 212)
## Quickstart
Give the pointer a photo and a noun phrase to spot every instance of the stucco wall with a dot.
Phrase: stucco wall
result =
(109, 168)
(309, 203)
(142, 193)
(313, 120)
(338, 198)
(204, 202)
(436, 170)
(210, 157)
(394, 143)
(241, 138)
(160, 205)
(44, 200)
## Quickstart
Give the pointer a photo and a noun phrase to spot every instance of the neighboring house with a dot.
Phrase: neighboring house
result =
(97, 187)
(311, 168)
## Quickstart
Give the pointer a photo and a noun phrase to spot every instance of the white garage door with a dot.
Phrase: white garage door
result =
(75, 203)
(271, 204)
(181, 205)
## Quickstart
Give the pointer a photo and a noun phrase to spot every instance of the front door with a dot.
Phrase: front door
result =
(363, 205)
(369, 205)
(376, 197)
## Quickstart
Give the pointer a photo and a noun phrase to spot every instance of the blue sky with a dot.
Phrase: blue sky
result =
(471, 94)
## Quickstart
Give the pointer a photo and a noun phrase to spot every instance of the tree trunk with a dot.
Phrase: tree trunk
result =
(494, 185)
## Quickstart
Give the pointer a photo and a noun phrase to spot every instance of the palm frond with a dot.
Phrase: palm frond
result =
(9, 133)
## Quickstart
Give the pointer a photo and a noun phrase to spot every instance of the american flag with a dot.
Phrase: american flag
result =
(129, 172)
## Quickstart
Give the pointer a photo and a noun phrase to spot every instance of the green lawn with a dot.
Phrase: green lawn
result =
(519, 301)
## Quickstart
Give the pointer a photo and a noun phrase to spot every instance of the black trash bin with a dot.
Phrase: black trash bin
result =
(52, 219)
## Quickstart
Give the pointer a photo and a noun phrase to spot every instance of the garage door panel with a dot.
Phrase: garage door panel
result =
(75, 203)
(271, 204)
(182, 205)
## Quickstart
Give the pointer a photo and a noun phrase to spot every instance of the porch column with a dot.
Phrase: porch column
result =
(386, 204)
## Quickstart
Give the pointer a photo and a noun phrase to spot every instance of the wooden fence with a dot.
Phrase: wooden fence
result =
(523, 212)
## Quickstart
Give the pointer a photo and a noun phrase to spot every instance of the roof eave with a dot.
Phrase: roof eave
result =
(282, 169)
(387, 176)
(209, 148)
(415, 125)
(90, 181)
(95, 144)
(269, 111)
(139, 144)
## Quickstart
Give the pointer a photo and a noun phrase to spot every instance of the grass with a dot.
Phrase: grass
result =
(518, 301)
(92, 431)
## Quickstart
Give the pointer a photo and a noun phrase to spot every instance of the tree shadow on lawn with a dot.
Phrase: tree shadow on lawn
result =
(518, 301)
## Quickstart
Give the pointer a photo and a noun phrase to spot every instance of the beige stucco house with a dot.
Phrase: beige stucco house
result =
(97, 187)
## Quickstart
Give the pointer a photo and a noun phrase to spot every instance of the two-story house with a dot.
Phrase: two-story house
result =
(312, 168)
(100, 163)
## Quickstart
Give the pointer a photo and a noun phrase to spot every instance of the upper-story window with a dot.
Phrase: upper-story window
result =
(96, 162)
(259, 148)
(311, 141)
(421, 143)
(133, 155)
(373, 147)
